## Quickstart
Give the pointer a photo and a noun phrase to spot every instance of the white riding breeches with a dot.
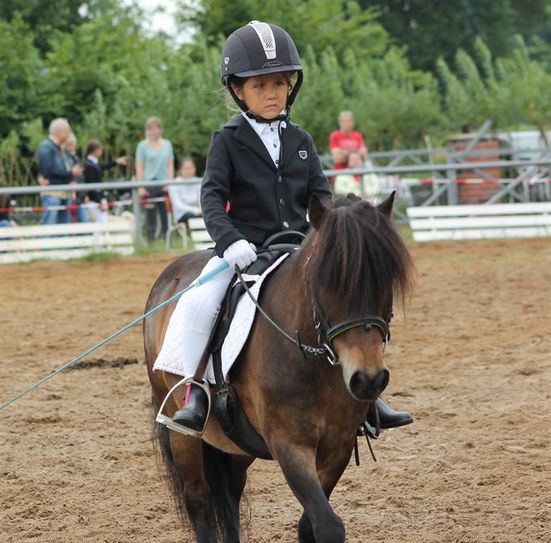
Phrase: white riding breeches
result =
(191, 322)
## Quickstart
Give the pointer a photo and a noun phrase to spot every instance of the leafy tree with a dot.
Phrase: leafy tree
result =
(20, 75)
(314, 23)
(429, 26)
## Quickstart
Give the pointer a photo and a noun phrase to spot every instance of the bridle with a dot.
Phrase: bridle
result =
(325, 333)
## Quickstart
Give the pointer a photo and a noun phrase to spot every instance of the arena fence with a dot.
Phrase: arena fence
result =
(435, 184)
(480, 222)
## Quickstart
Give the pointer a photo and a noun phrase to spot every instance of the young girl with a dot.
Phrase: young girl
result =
(265, 167)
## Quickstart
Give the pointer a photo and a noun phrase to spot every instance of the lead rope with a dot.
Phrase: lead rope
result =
(199, 281)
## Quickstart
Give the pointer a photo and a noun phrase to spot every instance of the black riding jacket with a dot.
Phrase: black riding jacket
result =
(263, 199)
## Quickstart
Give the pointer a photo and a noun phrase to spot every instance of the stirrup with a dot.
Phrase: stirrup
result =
(161, 418)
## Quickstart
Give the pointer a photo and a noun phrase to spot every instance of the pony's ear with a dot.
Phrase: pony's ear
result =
(385, 207)
(316, 210)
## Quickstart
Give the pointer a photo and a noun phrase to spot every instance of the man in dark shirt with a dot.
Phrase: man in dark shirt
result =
(55, 169)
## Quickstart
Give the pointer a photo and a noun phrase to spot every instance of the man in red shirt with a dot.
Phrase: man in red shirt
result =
(346, 140)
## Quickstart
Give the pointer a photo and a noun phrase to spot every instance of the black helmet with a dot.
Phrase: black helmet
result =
(257, 49)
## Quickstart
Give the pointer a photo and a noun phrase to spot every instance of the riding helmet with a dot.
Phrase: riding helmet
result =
(256, 49)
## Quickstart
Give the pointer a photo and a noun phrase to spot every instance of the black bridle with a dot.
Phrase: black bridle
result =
(324, 331)
(327, 333)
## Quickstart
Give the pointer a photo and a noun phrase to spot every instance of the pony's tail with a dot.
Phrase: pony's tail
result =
(217, 468)
(175, 480)
(224, 514)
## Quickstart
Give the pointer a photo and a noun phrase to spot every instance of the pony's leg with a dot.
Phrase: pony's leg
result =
(328, 474)
(299, 467)
(187, 454)
(238, 479)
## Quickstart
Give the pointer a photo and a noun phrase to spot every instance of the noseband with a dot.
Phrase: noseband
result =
(327, 333)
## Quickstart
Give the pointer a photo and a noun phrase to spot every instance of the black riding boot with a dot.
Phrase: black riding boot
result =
(194, 414)
(387, 417)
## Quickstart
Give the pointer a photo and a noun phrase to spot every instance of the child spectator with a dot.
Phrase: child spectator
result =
(5, 219)
(366, 185)
(93, 172)
(185, 199)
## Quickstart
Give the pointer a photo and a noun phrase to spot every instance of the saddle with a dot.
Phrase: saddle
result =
(225, 402)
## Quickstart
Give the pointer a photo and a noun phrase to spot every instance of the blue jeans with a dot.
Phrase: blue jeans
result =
(52, 216)
(82, 213)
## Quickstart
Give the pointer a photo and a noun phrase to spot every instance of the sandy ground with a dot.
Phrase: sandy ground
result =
(472, 361)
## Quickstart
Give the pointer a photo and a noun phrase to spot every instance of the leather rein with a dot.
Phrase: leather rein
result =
(324, 331)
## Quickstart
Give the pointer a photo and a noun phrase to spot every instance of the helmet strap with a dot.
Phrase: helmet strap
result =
(243, 106)
(259, 119)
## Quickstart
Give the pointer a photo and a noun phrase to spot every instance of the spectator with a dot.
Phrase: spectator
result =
(346, 140)
(366, 185)
(93, 171)
(5, 219)
(154, 161)
(55, 169)
(185, 199)
(75, 199)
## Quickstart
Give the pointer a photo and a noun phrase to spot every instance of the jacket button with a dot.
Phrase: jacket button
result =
(279, 179)
(285, 224)
(282, 201)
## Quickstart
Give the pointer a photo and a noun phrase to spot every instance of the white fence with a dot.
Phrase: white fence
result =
(480, 221)
(66, 241)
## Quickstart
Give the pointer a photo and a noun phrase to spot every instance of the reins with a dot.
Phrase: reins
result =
(306, 349)
(325, 333)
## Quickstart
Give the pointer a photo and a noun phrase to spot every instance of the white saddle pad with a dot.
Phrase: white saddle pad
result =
(242, 323)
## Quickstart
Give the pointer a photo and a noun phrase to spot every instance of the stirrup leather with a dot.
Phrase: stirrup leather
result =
(161, 418)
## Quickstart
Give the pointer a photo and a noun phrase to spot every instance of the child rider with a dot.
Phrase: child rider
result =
(253, 163)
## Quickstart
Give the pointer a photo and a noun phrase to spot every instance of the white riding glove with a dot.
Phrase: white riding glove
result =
(240, 253)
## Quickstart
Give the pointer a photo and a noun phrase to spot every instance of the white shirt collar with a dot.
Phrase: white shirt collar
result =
(92, 158)
(263, 128)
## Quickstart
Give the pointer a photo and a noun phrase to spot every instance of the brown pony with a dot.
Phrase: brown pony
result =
(307, 410)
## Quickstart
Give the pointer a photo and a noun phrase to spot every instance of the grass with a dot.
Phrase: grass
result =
(100, 256)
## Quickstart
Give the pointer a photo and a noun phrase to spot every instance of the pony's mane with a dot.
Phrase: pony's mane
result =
(359, 258)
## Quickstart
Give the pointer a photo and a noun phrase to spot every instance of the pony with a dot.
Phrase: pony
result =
(351, 266)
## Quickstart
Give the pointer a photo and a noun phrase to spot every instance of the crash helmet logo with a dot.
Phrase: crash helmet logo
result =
(303, 154)
(226, 60)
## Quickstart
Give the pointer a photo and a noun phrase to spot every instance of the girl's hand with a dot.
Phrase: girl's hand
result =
(241, 254)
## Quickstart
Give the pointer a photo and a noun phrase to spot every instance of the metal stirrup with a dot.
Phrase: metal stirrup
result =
(169, 423)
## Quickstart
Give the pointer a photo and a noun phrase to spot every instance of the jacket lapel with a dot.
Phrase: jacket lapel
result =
(292, 138)
(247, 136)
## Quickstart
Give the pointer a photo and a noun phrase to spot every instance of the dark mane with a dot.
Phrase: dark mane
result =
(359, 258)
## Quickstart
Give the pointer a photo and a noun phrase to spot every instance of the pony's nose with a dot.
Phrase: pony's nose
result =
(366, 387)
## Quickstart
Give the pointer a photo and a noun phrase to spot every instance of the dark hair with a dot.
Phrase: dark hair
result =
(93, 145)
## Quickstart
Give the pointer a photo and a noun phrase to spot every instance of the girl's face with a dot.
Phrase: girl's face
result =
(265, 95)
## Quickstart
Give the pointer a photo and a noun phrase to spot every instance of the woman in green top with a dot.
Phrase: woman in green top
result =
(154, 162)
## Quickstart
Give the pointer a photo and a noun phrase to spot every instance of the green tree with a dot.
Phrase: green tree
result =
(432, 28)
(314, 23)
(21, 94)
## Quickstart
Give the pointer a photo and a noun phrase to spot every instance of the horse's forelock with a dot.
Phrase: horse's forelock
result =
(360, 260)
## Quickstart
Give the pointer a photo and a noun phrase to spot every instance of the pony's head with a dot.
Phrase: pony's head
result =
(356, 265)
